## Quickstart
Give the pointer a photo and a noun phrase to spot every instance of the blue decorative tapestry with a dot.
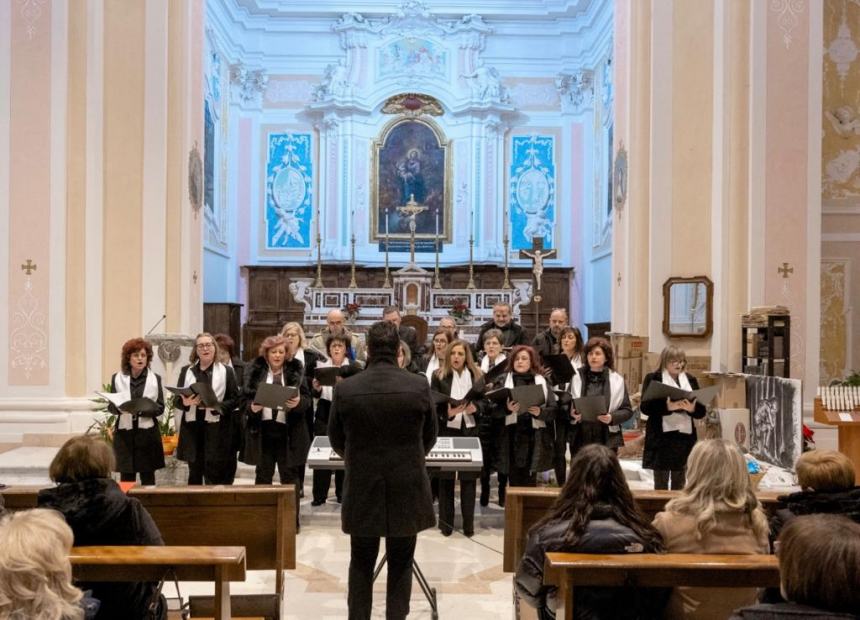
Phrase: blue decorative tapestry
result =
(289, 191)
(532, 191)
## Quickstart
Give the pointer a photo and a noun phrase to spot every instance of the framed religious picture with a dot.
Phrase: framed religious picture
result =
(411, 162)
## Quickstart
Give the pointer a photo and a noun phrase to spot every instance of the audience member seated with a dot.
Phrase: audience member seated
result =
(717, 512)
(99, 513)
(826, 479)
(819, 571)
(35, 573)
(594, 513)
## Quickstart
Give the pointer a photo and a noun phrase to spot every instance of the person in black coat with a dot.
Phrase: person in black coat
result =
(137, 439)
(336, 346)
(454, 378)
(597, 378)
(99, 513)
(571, 346)
(491, 428)
(595, 513)
(227, 356)
(383, 423)
(670, 432)
(512, 333)
(547, 342)
(406, 333)
(525, 442)
(276, 437)
(207, 436)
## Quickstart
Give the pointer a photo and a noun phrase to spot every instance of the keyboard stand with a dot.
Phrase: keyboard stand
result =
(429, 592)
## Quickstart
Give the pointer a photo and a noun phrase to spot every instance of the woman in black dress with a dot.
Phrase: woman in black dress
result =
(525, 444)
(490, 427)
(457, 375)
(570, 343)
(276, 437)
(206, 435)
(597, 378)
(670, 433)
(298, 349)
(136, 438)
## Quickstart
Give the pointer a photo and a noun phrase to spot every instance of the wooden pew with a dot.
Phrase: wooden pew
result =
(566, 570)
(524, 506)
(260, 518)
(218, 564)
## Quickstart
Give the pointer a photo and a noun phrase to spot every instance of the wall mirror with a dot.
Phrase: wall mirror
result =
(688, 307)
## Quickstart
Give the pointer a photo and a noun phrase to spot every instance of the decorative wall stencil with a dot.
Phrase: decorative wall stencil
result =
(775, 419)
(195, 178)
(31, 11)
(835, 319)
(289, 190)
(787, 12)
(412, 56)
(28, 341)
(532, 190)
(842, 50)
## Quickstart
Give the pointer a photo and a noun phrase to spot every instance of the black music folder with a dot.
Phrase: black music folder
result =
(562, 369)
(526, 395)
(660, 391)
(274, 395)
(589, 407)
(140, 406)
(473, 395)
(208, 400)
(496, 373)
(327, 375)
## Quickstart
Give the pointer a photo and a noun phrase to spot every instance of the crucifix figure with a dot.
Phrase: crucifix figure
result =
(412, 209)
(537, 254)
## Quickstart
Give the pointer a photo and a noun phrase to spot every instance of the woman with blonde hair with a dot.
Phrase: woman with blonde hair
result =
(35, 573)
(670, 433)
(717, 512)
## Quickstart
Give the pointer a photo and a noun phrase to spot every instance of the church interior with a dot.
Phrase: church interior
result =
(665, 172)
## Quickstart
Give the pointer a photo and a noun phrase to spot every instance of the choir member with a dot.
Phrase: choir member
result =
(454, 378)
(489, 427)
(670, 432)
(297, 348)
(547, 342)
(449, 325)
(136, 438)
(206, 434)
(227, 356)
(335, 323)
(433, 360)
(596, 378)
(503, 320)
(336, 350)
(525, 445)
(277, 436)
(570, 343)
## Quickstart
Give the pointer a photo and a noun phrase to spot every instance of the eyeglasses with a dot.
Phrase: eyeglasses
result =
(206, 345)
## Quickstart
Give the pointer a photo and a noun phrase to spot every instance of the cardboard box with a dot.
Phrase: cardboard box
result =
(631, 369)
(733, 391)
(735, 425)
(626, 345)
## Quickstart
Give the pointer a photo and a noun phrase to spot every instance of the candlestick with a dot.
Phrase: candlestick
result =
(352, 282)
(471, 283)
(387, 283)
(436, 282)
(437, 223)
(318, 283)
(506, 284)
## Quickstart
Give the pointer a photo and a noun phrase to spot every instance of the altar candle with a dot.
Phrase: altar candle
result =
(437, 223)
(386, 222)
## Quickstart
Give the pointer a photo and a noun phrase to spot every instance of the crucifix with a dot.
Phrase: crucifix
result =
(412, 209)
(537, 254)
(29, 267)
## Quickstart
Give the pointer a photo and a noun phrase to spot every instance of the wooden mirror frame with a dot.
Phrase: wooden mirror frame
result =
(709, 308)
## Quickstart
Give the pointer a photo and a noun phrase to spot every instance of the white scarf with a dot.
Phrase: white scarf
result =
(122, 385)
(511, 418)
(616, 394)
(281, 415)
(328, 390)
(219, 386)
(461, 383)
(679, 421)
(485, 362)
(432, 366)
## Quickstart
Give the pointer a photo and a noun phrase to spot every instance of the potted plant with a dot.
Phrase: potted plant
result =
(460, 312)
(169, 438)
(104, 424)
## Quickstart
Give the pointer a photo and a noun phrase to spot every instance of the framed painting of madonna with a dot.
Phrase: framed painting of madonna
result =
(411, 161)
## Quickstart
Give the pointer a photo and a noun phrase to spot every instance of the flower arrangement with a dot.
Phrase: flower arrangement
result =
(102, 426)
(352, 310)
(460, 311)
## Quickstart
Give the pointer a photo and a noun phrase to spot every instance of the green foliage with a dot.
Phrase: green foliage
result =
(852, 380)
(104, 424)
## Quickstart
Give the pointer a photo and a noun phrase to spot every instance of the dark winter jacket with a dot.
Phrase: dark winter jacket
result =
(138, 449)
(297, 433)
(99, 513)
(512, 334)
(383, 423)
(602, 535)
(666, 451)
(780, 611)
(546, 344)
(845, 503)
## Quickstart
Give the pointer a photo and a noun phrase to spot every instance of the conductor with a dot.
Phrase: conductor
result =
(383, 424)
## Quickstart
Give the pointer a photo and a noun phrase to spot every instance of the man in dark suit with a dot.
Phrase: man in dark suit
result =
(546, 343)
(503, 320)
(407, 334)
(383, 423)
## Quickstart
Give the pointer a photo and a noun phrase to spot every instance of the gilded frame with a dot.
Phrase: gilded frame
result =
(426, 225)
